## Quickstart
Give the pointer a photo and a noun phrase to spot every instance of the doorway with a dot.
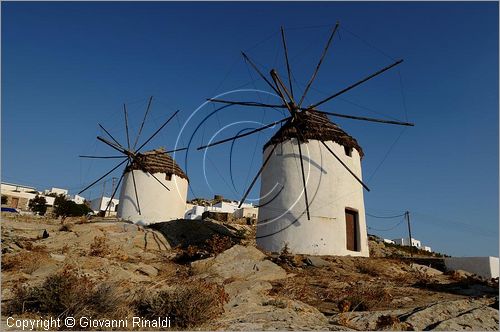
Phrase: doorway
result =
(351, 228)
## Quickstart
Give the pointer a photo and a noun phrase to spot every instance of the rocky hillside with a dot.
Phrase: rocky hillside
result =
(207, 275)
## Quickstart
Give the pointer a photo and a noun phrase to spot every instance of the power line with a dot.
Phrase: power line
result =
(386, 217)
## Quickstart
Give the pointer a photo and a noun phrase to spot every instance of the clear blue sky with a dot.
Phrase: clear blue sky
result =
(68, 66)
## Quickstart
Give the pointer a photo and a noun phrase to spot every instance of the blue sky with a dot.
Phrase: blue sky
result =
(68, 66)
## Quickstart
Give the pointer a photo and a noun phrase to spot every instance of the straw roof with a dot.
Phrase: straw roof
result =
(316, 126)
(156, 161)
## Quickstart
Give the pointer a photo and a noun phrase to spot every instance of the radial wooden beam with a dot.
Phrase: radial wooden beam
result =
(356, 84)
(114, 193)
(103, 157)
(303, 178)
(158, 180)
(111, 136)
(363, 118)
(245, 134)
(126, 125)
(143, 121)
(135, 191)
(258, 71)
(345, 166)
(257, 176)
(114, 146)
(246, 103)
(157, 131)
(319, 64)
(285, 49)
(280, 83)
(102, 177)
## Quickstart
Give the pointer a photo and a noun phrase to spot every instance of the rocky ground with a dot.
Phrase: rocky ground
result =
(207, 275)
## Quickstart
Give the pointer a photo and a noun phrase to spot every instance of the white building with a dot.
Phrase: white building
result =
(57, 191)
(154, 203)
(78, 199)
(246, 210)
(414, 242)
(101, 203)
(388, 241)
(18, 196)
(406, 242)
(337, 223)
(486, 267)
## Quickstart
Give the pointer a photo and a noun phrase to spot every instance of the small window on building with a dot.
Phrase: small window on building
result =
(168, 177)
(348, 151)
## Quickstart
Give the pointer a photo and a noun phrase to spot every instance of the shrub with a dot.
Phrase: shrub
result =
(370, 267)
(38, 204)
(363, 298)
(187, 306)
(99, 247)
(27, 262)
(217, 244)
(65, 208)
(66, 228)
(65, 294)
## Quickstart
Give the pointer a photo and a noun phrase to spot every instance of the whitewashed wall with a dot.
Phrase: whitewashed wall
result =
(486, 267)
(157, 203)
(331, 189)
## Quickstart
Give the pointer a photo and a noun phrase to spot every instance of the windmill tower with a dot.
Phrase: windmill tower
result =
(311, 177)
(154, 187)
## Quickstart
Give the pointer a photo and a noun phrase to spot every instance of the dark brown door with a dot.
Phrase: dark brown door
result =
(14, 202)
(351, 229)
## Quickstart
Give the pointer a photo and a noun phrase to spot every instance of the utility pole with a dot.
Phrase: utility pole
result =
(407, 216)
(113, 183)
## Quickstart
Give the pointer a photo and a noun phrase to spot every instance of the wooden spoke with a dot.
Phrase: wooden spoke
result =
(117, 148)
(156, 132)
(279, 82)
(363, 118)
(102, 177)
(285, 49)
(319, 64)
(126, 126)
(107, 132)
(303, 178)
(245, 134)
(135, 191)
(114, 193)
(246, 103)
(355, 84)
(103, 157)
(258, 71)
(164, 186)
(347, 168)
(257, 176)
(143, 121)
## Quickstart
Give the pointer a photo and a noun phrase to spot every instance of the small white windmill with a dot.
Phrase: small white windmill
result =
(154, 187)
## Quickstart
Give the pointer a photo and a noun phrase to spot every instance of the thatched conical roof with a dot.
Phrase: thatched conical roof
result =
(156, 161)
(316, 126)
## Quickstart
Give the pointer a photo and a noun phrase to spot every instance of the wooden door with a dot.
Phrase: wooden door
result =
(14, 202)
(351, 228)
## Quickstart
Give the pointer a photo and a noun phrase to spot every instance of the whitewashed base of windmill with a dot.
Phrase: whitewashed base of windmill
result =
(157, 204)
(332, 192)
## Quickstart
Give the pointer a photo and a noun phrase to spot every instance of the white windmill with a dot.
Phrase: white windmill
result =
(311, 179)
(154, 187)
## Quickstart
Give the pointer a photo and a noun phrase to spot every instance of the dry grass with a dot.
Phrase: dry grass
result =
(370, 267)
(188, 305)
(100, 247)
(65, 294)
(24, 261)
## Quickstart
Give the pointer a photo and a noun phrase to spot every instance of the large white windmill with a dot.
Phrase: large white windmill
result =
(311, 178)
(154, 187)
